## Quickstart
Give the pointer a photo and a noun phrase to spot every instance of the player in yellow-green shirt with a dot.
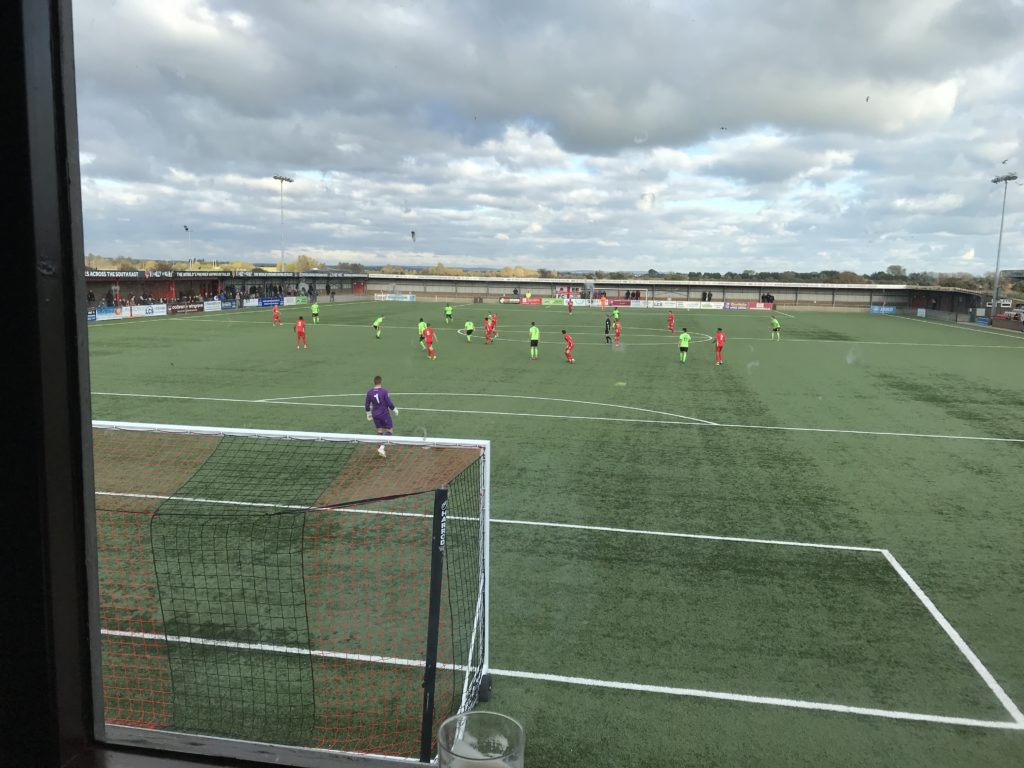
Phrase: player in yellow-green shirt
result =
(421, 328)
(378, 324)
(776, 330)
(534, 341)
(684, 345)
(448, 310)
(315, 311)
(469, 330)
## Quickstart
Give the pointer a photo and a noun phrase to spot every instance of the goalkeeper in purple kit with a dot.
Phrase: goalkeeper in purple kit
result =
(379, 407)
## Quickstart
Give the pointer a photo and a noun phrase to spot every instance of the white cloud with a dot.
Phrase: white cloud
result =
(594, 122)
(946, 201)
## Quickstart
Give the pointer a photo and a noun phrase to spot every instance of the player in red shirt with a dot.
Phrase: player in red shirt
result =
(570, 305)
(494, 323)
(719, 343)
(671, 322)
(488, 329)
(277, 315)
(618, 332)
(428, 339)
(300, 333)
(569, 344)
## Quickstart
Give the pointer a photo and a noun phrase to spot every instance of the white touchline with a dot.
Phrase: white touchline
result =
(879, 343)
(975, 662)
(689, 423)
(584, 681)
(870, 432)
(1009, 332)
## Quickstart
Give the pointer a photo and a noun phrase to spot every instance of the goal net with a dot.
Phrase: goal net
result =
(290, 588)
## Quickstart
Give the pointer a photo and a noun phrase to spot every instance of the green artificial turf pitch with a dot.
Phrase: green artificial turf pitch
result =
(617, 644)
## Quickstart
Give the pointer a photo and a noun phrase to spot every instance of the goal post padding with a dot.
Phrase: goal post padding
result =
(276, 587)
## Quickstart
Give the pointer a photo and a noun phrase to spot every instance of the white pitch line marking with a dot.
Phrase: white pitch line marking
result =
(425, 410)
(270, 648)
(960, 643)
(874, 433)
(581, 681)
(769, 700)
(537, 523)
(1004, 332)
(675, 535)
(509, 397)
(976, 663)
(822, 430)
(260, 504)
(878, 343)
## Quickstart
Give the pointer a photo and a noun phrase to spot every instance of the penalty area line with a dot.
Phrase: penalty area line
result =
(961, 644)
(765, 700)
(677, 535)
(495, 520)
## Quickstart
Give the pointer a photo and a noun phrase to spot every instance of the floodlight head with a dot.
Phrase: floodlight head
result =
(283, 179)
(1002, 179)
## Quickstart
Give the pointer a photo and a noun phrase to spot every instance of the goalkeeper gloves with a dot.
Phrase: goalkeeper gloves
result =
(368, 416)
(395, 411)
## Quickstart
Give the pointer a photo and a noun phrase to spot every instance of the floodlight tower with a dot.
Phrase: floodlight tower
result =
(1005, 181)
(282, 179)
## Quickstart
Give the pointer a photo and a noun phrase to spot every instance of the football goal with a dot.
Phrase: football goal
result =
(270, 593)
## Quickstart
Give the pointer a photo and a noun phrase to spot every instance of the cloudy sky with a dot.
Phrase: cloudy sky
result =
(582, 134)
